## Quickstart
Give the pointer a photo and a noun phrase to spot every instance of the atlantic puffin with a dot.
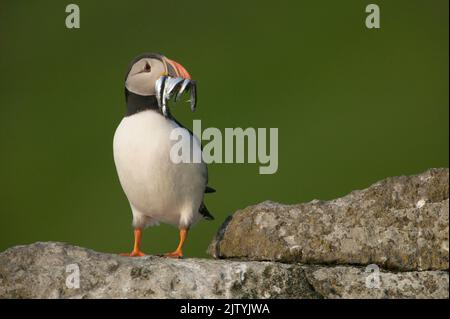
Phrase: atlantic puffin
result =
(158, 189)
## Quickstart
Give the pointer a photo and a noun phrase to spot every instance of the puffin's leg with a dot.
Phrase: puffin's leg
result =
(137, 245)
(178, 253)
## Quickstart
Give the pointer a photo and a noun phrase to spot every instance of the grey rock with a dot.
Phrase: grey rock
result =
(41, 270)
(346, 282)
(399, 223)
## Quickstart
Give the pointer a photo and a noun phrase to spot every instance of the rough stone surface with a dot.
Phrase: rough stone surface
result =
(355, 282)
(399, 223)
(40, 271)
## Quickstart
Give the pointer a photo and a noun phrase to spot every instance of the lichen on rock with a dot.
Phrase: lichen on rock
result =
(40, 271)
(387, 241)
(400, 223)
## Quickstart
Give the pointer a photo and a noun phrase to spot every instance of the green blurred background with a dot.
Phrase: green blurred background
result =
(352, 105)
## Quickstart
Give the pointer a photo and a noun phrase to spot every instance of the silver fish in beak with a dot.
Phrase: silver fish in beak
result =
(167, 87)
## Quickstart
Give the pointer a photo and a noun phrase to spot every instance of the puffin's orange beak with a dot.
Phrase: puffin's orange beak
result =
(175, 69)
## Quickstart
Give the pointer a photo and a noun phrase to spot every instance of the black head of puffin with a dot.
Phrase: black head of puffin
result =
(152, 79)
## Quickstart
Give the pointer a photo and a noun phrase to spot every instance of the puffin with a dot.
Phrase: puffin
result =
(159, 190)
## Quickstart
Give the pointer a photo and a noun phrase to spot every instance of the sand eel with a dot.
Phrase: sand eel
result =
(158, 189)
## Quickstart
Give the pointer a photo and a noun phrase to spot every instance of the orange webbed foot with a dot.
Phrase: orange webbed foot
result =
(175, 254)
(137, 245)
(133, 254)
(178, 253)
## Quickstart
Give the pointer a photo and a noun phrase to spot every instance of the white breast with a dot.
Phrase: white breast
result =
(157, 188)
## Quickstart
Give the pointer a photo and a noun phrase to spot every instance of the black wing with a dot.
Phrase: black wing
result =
(208, 189)
(205, 212)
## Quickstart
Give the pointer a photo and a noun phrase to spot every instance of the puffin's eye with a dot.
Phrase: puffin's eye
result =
(147, 67)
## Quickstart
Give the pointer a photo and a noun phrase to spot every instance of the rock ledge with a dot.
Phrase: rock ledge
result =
(41, 270)
(400, 223)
